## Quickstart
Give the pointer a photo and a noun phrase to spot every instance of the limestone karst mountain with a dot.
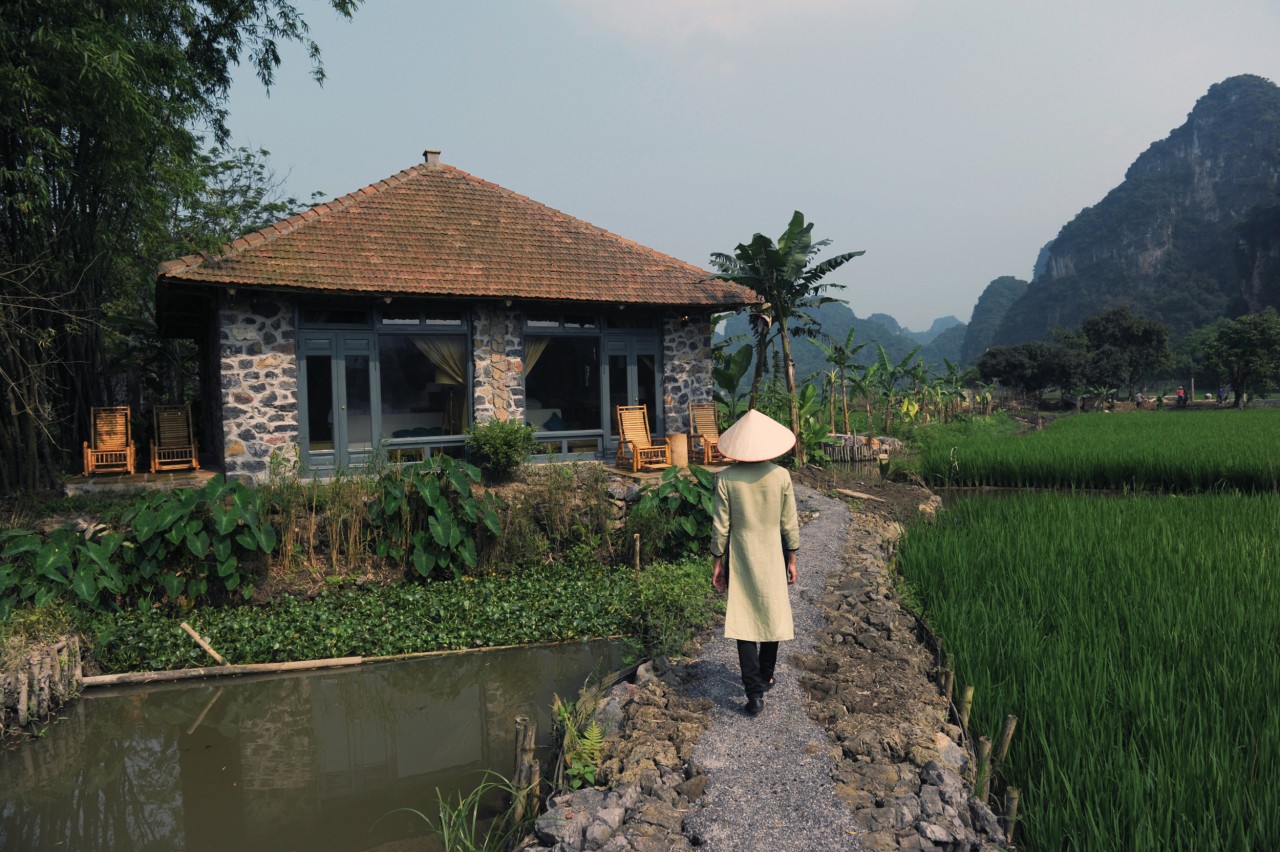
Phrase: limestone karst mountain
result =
(1192, 234)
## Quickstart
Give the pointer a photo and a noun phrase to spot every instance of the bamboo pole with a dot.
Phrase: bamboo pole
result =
(984, 768)
(1011, 797)
(948, 684)
(966, 704)
(527, 770)
(203, 643)
(1006, 734)
(125, 678)
(635, 537)
(216, 671)
(24, 697)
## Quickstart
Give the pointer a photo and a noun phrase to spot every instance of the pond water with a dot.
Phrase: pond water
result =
(306, 761)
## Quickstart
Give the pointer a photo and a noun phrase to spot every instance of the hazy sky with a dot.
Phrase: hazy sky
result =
(950, 140)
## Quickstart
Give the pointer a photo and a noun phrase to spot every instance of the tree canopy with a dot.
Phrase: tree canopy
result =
(1121, 348)
(1109, 350)
(1246, 353)
(106, 111)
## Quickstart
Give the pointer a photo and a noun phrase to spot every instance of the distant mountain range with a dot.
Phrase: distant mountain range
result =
(1191, 234)
(943, 340)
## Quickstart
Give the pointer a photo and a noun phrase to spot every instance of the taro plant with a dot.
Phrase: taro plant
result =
(183, 545)
(187, 539)
(38, 570)
(429, 514)
(678, 509)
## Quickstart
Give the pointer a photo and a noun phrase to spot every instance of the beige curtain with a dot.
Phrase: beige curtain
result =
(449, 354)
(533, 349)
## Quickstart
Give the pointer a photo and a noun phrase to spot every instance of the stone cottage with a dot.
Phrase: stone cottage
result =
(385, 322)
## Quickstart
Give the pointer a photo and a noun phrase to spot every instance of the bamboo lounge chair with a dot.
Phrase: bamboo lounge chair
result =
(706, 431)
(110, 448)
(173, 443)
(634, 438)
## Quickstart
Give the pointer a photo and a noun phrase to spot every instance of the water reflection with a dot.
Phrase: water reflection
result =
(304, 761)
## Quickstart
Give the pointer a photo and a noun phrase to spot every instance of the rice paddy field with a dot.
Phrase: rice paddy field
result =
(1136, 451)
(1137, 639)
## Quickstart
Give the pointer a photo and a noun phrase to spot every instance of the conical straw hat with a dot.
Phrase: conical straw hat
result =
(756, 437)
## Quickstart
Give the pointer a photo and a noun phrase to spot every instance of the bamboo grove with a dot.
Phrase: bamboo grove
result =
(108, 114)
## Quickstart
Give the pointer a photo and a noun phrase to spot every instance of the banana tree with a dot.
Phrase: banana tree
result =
(727, 378)
(887, 377)
(840, 356)
(830, 379)
(788, 285)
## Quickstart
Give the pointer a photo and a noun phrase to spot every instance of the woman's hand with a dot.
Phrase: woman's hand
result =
(791, 567)
(717, 574)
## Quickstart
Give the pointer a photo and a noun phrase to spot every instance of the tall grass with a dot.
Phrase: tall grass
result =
(1141, 450)
(1138, 641)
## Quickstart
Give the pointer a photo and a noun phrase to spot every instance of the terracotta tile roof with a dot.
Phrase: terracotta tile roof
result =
(434, 230)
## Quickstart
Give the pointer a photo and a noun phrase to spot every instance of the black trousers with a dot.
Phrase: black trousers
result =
(757, 661)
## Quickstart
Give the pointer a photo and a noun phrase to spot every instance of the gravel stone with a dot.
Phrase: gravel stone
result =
(770, 782)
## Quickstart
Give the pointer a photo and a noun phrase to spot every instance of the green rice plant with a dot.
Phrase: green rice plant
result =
(1137, 639)
(1130, 451)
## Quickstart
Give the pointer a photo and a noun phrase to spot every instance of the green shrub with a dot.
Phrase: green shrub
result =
(672, 601)
(556, 509)
(499, 447)
(28, 626)
(673, 517)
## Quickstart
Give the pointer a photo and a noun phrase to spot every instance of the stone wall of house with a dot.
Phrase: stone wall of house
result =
(686, 368)
(498, 351)
(259, 377)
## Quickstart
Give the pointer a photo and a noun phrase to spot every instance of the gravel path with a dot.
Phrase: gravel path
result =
(770, 784)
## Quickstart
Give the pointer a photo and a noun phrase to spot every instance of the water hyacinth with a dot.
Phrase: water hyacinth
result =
(1135, 451)
(1138, 641)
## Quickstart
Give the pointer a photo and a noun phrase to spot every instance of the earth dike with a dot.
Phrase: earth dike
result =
(904, 770)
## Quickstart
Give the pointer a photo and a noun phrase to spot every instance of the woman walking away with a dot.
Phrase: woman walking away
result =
(754, 541)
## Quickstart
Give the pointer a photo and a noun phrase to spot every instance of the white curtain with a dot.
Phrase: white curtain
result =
(533, 349)
(449, 354)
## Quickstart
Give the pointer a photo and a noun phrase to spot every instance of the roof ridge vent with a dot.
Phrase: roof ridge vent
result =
(432, 156)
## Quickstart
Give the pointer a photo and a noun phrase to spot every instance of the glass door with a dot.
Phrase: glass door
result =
(631, 378)
(337, 400)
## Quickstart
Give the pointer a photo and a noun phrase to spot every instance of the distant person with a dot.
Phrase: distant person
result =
(754, 539)
(1182, 397)
(1222, 394)
(1139, 399)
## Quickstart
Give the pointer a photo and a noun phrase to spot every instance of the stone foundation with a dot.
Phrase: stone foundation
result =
(259, 375)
